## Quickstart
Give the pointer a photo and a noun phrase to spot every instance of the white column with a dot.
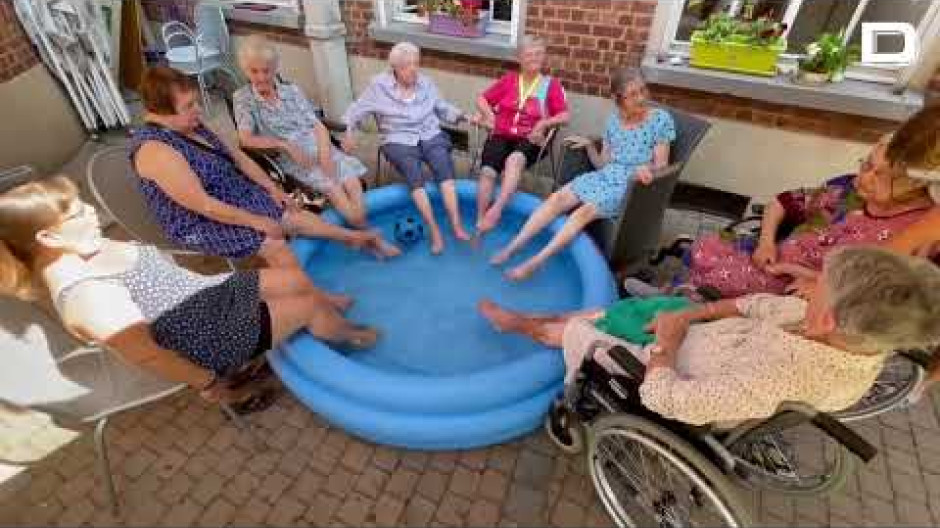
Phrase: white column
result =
(326, 33)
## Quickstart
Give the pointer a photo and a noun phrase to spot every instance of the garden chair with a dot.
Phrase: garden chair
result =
(630, 239)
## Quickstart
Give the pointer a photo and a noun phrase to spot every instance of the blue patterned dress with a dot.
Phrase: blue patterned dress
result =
(222, 179)
(629, 148)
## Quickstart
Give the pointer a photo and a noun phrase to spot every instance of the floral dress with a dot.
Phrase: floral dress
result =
(292, 118)
(822, 219)
(629, 148)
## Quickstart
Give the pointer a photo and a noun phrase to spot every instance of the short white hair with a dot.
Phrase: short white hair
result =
(256, 47)
(530, 42)
(403, 53)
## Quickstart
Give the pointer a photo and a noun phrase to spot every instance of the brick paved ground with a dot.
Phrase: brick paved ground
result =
(180, 464)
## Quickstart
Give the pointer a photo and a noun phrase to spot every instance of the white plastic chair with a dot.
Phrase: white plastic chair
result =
(201, 51)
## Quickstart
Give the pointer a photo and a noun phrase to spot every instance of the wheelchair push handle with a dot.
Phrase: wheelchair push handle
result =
(845, 436)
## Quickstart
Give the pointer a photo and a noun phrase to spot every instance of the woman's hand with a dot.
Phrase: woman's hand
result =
(578, 142)
(670, 329)
(269, 228)
(644, 174)
(765, 254)
(349, 142)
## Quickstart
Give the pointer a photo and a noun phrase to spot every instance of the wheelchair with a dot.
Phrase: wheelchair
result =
(652, 471)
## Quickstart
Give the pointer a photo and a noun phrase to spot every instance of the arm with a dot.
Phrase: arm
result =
(446, 111)
(486, 112)
(924, 232)
(765, 253)
(557, 109)
(670, 329)
(246, 125)
(170, 171)
(601, 157)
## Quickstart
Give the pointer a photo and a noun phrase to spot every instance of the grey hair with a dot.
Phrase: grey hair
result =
(531, 41)
(402, 53)
(257, 47)
(882, 300)
(622, 78)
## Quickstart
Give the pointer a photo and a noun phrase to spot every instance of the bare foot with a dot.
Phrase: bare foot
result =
(489, 221)
(387, 248)
(341, 302)
(437, 242)
(521, 272)
(461, 233)
(501, 257)
(502, 320)
(355, 337)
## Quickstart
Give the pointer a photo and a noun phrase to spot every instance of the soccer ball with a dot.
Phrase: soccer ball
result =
(408, 230)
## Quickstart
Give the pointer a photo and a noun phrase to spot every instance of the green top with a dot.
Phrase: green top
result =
(627, 318)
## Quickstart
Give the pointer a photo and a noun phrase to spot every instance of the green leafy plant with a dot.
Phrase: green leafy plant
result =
(722, 27)
(828, 54)
(468, 11)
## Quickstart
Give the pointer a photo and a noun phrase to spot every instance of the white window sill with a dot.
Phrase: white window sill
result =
(493, 45)
(284, 15)
(848, 97)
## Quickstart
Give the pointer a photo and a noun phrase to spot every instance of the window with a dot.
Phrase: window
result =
(501, 14)
(806, 19)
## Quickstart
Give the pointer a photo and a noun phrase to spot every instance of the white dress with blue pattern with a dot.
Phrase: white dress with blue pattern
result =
(629, 149)
(292, 119)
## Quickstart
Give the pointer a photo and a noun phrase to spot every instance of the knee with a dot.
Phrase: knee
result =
(488, 174)
(586, 212)
(515, 162)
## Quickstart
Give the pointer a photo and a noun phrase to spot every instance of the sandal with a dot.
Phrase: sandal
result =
(257, 402)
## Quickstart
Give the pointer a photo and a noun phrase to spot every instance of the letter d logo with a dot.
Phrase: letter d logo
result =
(872, 30)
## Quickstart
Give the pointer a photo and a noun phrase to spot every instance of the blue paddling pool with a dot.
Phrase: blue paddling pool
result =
(440, 377)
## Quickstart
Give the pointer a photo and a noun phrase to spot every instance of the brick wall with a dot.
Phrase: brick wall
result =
(588, 38)
(16, 51)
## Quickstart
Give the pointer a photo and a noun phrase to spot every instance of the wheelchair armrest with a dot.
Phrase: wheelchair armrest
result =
(333, 125)
(836, 430)
(628, 362)
(668, 170)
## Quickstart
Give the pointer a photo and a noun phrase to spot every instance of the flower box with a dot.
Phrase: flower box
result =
(736, 57)
(445, 24)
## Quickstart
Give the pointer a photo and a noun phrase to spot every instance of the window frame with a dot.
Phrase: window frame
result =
(498, 27)
(928, 32)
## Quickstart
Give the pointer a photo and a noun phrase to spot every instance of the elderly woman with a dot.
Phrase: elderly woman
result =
(636, 143)
(866, 208)
(520, 108)
(277, 116)
(409, 111)
(211, 197)
(739, 359)
(185, 327)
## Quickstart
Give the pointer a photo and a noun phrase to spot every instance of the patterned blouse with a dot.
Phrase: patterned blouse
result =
(741, 368)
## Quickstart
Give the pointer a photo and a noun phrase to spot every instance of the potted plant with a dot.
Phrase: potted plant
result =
(455, 18)
(825, 60)
(743, 46)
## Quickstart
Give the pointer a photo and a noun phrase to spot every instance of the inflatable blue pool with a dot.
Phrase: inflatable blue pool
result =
(440, 377)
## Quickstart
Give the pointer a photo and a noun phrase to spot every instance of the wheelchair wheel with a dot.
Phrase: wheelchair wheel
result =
(564, 429)
(647, 476)
(898, 378)
(799, 461)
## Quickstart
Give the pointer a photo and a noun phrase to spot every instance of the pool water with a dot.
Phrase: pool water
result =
(425, 306)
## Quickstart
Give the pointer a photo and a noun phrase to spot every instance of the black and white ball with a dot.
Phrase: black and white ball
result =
(408, 230)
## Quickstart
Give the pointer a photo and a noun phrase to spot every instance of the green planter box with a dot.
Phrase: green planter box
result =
(731, 56)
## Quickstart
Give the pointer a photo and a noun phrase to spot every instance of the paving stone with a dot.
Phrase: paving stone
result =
(138, 462)
(464, 481)
(307, 485)
(503, 458)
(444, 461)
(453, 509)
(183, 513)
(357, 456)
(415, 460)
(879, 512)
(494, 485)
(355, 510)
(219, 513)
(223, 439)
(176, 488)
(286, 512)
(371, 482)
(433, 484)
(388, 510)
(208, 488)
(321, 512)
(293, 463)
(272, 487)
(340, 481)
(241, 487)
(253, 513)
(568, 514)
(526, 505)
(913, 513)
(483, 513)
(419, 511)
(908, 485)
(533, 468)
(311, 438)
(324, 460)
(284, 438)
(169, 463)
(402, 482)
(76, 513)
(385, 459)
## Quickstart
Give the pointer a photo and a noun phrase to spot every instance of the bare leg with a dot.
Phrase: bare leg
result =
(420, 197)
(275, 283)
(353, 187)
(547, 330)
(487, 183)
(340, 200)
(277, 254)
(512, 175)
(290, 314)
(305, 223)
(556, 204)
(449, 192)
(576, 223)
